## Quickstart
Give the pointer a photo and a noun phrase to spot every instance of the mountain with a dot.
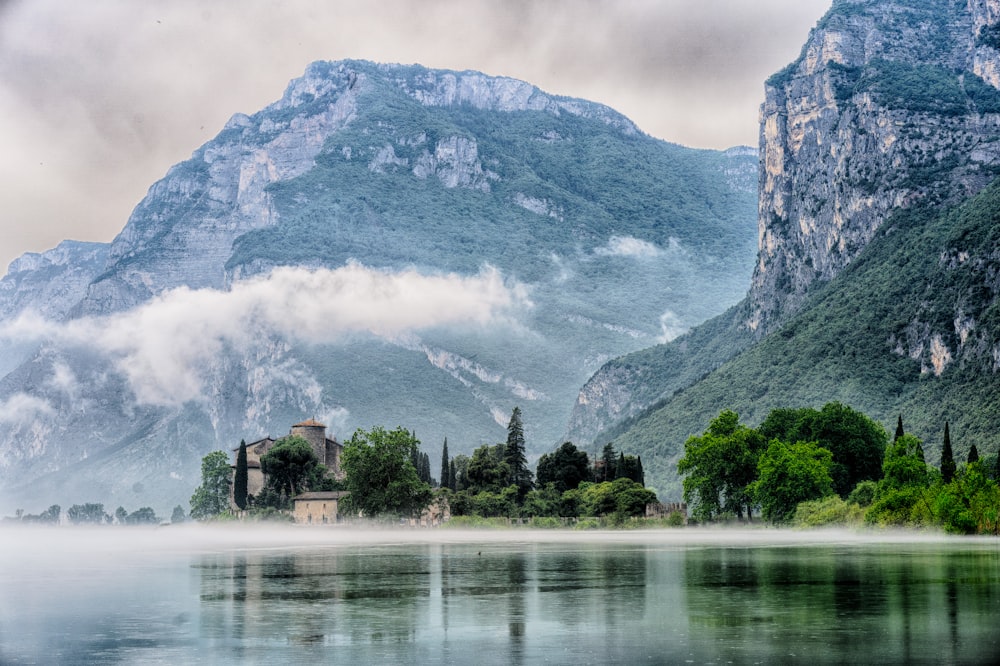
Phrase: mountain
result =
(875, 278)
(384, 245)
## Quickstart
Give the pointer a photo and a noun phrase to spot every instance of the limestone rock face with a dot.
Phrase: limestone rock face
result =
(884, 108)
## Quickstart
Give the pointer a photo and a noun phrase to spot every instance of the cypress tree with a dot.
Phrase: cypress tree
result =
(899, 428)
(240, 478)
(514, 455)
(610, 464)
(973, 454)
(445, 468)
(947, 458)
(620, 467)
(642, 475)
(452, 476)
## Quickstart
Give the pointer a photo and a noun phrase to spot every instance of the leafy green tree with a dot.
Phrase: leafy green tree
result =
(856, 441)
(142, 516)
(211, 498)
(718, 468)
(900, 497)
(621, 498)
(88, 514)
(240, 477)
(969, 504)
(544, 500)
(514, 455)
(380, 474)
(496, 504)
(445, 466)
(947, 457)
(289, 466)
(789, 474)
(461, 475)
(178, 515)
(488, 469)
(50, 515)
(565, 468)
(973, 456)
(120, 515)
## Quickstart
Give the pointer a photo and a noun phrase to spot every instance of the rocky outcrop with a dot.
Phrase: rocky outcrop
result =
(889, 104)
(51, 282)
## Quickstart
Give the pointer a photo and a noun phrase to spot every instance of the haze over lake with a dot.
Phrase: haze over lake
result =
(219, 596)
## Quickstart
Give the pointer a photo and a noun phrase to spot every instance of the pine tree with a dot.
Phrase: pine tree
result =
(642, 475)
(621, 469)
(452, 476)
(947, 457)
(514, 455)
(240, 477)
(899, 428)
(445, 468)
(610, 463)
(973, 454)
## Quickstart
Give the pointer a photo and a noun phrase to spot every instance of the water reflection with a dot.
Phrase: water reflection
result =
(502, 602)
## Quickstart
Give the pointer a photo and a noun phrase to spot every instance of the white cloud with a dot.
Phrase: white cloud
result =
(164, 346)
(22, 408)
(671, 326)
(628, 246)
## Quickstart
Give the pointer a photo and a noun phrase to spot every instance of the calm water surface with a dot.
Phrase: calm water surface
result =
(499, 598)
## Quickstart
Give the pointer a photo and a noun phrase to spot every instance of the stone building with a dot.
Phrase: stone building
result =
(318, 508)
(327, 451)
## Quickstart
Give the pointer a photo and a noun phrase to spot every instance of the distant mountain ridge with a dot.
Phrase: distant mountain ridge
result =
(889, 118)
(365, 176)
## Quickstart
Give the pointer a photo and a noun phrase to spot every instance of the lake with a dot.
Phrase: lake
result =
(196, 595)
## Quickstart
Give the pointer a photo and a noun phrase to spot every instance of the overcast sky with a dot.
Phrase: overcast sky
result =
(98, 99)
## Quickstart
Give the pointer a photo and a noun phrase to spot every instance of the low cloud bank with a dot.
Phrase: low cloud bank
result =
(163, 346)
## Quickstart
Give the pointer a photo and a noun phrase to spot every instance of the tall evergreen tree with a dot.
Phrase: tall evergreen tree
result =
(973, 454)
(514, 455)
(899, 428)
(610, 463)
(445, 467)
(452, 475)
(240, 477)
(642, 475)
(947, 457)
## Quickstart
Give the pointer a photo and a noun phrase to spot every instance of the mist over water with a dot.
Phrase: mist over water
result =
(235, 594)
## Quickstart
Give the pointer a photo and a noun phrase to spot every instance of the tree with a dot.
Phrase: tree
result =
(566, 468)
(514, 455)
(487, 469)
(120, 515)
(290, 465)
(789, 474)
(240, 477)
(211, 498)
(900, 495)
(606, 470)
(142, 516)
(445, 466)
(460, 479)
(973, 455)
(719, 466)
(947, 457)
(856, 441)
(380, 474)
(899, 428)
(178, 515)
(88, 514)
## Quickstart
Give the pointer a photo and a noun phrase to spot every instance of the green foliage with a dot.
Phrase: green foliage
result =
(567, 467)
(718, 468)
(178, 516)
(789, 474)
(289, 465)
(142, 516)
(380, 474)
(621, 498)
(240, 477)
(211, 498)
(514, 455)
(488, 470)
(856, 441)
(88, 514)
(969, 504)
(829, 511)
(947, 457)
(447, 476)
(863, 494)
(48, 517)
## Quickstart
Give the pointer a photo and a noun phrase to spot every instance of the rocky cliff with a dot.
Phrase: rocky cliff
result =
(890, 105)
